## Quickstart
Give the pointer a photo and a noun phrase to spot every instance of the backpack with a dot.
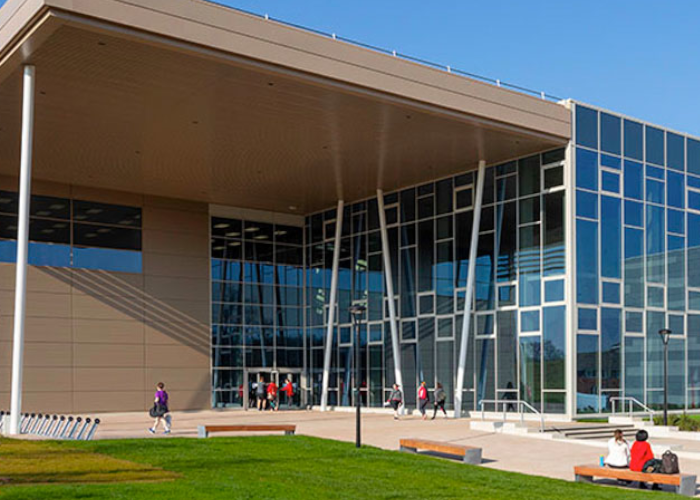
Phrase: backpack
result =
(669, 463)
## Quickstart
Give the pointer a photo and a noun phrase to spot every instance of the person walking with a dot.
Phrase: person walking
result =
(288, 389)
(395, 400)
(440, 396)
(160, 410)
(260, 394)
(272, 395)
(423, 399)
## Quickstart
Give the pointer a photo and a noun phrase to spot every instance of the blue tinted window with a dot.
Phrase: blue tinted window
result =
(656, 243)
(633, 140)
(586, 204)
(587, 319)
(694, 200)
(676, 221)
(694, 301)
(633, 180)
(609, 133)
(587, 398)
(634, 215)
(109, 260)
(655, 145)
(47, 254)
(675, 151)
(554, 291)
(611, 293)
(610, 182)
(693, 181)
(634, 267)
(529, 289)
(530, 321)
(587, 261)
(610, 340)
(675, 186)
(694, 156)
(610, 161)
(634, 322)
(554, 336)
(587, 127)
(655, 172)
(611, 235)
(655, 296)
(586, 169)
(655, 192)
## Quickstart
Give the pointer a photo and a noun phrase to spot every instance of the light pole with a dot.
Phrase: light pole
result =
(357, 311)
(665, 334)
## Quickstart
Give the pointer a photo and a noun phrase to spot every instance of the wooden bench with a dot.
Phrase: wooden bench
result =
(205, 430)
(469, 454)
(684, 483)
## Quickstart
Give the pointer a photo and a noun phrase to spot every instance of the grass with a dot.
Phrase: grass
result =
(286, 467)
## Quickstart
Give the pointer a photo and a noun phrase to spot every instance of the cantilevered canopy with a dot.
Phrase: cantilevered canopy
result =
(186, 99)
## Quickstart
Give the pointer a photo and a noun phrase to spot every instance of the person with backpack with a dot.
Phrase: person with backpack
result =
(160, 410)
(440, 396)
(423, 399)
(272, 395)
(395, 400)
(642, 458)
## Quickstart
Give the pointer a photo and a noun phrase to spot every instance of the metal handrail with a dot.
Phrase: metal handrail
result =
(521, 406)
(632, 401)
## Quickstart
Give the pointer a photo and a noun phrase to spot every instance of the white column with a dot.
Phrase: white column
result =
(395, 346)
(22, 246)
(469, 293)
(327, 352)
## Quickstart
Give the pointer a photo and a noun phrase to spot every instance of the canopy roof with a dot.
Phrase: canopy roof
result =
(187, 99)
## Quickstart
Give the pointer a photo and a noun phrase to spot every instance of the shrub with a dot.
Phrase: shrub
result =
(684, 422)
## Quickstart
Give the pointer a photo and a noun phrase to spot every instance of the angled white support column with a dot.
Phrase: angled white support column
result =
(328, 350)
(25, 187)
(469, 293)
(395, 346)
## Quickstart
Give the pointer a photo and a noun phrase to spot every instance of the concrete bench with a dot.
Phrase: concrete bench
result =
(684, 483)
(203, 431)
(469, 454)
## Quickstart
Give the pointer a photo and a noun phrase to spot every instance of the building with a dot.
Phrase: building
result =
(211, 191)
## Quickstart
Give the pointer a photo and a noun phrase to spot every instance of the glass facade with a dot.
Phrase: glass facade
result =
(74, 233)
(637, 203)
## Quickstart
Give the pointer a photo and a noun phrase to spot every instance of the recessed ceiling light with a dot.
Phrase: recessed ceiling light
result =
(56, 206)
(292, 207)
(260, 237)
(234, 244)
(47, 231)
(103, 230)
(252, 229)
(233, 234)
(80, 217)
(125, 222)
(221, 225)
(219, 248)
(93, 211)
(280, 232)
(60, 225)
(43, 213)
(91, 235)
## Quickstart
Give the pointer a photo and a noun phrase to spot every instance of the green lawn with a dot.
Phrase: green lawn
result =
(290, 467)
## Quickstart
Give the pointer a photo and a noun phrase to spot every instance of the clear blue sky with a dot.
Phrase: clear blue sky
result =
(638, 57)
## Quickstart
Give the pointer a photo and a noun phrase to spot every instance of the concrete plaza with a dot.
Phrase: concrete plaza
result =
(533, 454)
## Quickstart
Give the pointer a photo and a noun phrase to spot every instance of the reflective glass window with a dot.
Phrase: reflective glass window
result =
(634, 213)
(553, 156)
(610, 161)
(586, 204)
(693, 250)
(586, 169)
(694, 156)
(654, 145)
(506, 242)
(610, 182)
(694, 301)
(676, 221)
(655, 296)
(655, 172)
(506, 295)
(103, 213)
(529, 321)
(554, 290)
(675, 291)
(587, 127)
(634, 187)
(554, 226)
(634, 267)
(694, 200)
(529, 210)
(554, 346)
(587, 319)
(553, 177)
(530, 374)
(587, 393)
(587, 261)
(611, 293)
(505, 188)
(634, 322)
(676, 189)
(655, 192)
(634, 367)
(655, 244)
(675, 151)
(610, 133)
(610, 344)
(633, 140)
(529, 175)
(507, 350)
(611, 236)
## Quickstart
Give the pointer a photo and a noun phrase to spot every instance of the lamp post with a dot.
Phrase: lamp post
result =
(665, 334)
(357, 311)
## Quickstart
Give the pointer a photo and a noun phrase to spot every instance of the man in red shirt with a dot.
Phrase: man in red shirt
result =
(640, 454)
(272, 395)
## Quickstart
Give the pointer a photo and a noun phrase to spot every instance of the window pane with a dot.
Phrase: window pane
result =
(633, 180)
(507, 350)
(634, 367)
(655, 244)
(676, 190)
(587, 261)
(675, 154)
(89, 235)
(694, 156)
(633, 140)
(586, 169)
(655, 145)
(610, 234)
(529, 175)
(610, 341)
(609, 133)
(634, 213)
(634, 267)
(587, 399)
(530, 386)
(587, 127)
(586, 204)
(554, 338)
(554, 250)
(86, 211)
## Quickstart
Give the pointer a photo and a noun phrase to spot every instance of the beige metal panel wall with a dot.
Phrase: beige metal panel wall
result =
(99, 341)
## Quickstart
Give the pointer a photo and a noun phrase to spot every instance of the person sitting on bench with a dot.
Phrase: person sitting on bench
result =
(618, 452)
(641, 454)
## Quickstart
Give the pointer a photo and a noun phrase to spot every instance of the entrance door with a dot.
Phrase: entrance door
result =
(254, 376)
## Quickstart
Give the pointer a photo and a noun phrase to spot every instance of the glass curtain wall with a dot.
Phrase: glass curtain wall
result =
(257, 272)
(517, 345)
(637, 252)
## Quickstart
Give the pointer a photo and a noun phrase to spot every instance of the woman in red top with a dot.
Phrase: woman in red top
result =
(640, 454)
(288, 389)
(423, 399)
(272, 395)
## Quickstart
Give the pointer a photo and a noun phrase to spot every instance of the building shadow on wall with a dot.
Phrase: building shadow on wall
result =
(133, 302)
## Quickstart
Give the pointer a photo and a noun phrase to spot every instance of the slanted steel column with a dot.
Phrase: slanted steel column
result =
(469, 293)
(332, 306)
(25, 179)
(395, 346)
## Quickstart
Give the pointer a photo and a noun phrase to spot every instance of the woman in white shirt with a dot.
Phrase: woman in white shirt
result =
(618, 452)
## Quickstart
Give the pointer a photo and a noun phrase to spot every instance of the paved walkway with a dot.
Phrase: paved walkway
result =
(529, 455)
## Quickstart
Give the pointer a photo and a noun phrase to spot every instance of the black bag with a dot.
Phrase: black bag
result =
(158, 410)
(652, 466)
(669, 463)
(153, 411)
